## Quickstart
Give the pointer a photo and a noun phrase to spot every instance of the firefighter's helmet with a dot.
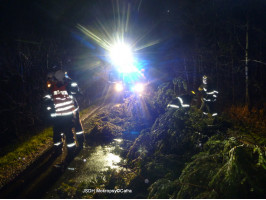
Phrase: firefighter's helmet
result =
(60, 75)
(204, 79)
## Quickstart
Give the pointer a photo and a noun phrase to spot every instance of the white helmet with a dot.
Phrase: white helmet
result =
(204, 79)
(59, 75)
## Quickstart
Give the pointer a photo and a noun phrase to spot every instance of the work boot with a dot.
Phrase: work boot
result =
(71, 152)
(80, 140)
(58, 156)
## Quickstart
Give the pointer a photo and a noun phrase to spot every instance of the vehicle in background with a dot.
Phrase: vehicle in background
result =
(125, 77)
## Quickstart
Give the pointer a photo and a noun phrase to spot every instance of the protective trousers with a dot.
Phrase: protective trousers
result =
(63, 126)
(208, 108)
(79, 130)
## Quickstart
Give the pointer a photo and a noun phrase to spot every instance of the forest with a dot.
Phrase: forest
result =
(177, 42)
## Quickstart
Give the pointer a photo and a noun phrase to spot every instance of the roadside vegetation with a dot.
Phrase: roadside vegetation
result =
(19, 155)
(181, 153)
(172, 153)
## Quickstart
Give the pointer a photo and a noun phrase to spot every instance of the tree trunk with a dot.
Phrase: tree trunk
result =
(233, 82)
(194, 73)
(185, 65)
(246, 66)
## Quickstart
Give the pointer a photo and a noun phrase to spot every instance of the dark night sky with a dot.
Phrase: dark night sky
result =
(176, 23)
(57, 18)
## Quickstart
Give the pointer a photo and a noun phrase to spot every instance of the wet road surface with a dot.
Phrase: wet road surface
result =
(89, 165)
(43, 179)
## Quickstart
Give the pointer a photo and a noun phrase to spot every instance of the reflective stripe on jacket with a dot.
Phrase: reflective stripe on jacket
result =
(63, 102)
(208, 95)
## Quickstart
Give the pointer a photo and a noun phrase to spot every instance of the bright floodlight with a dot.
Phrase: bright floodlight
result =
(119, 87)
(122, 58)
(138, 88)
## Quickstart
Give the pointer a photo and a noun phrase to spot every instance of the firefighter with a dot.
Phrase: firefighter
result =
(64, 111)
(209, 97)
(73, 89)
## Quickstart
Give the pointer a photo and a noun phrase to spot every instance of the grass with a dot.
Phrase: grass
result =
(19, 155)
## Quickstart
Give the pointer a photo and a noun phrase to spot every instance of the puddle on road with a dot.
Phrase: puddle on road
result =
(89, 164)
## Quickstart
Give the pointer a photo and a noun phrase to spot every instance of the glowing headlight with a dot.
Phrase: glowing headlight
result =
(119, 87)
(138, 88)
(122, 58)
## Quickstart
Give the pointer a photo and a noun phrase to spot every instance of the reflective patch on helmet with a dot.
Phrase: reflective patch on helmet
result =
(214, 114)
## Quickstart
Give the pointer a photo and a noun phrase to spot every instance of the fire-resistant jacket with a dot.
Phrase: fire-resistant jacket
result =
(60, 100)
(209, 95)
(63, 103)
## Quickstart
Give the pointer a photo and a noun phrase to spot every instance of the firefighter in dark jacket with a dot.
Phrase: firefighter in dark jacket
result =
(73, 89)
(209, 97)
(64, 111)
